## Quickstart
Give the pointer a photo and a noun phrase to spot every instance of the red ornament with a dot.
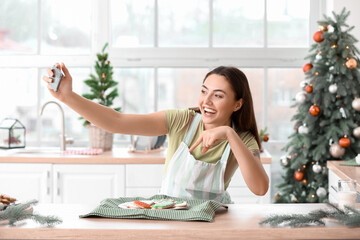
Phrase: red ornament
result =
(309, 88)
(307, 67)
(266, 138)
(298, 175)
(314, 110)
(344, 142)
(317, 36)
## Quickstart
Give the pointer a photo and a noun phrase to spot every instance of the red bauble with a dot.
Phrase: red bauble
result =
(317, 36)
(314, 110)
(298, 175)
(307, 67)
(309, 88)
(344, 142)
(266, 138)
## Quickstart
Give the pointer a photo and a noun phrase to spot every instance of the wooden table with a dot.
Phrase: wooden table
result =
(238, 222)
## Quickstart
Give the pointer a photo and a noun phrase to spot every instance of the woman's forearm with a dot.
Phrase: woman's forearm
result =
(153, 124)
(250, 165)
(99, 115)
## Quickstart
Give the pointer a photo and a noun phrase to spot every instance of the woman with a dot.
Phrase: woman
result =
(199, 162)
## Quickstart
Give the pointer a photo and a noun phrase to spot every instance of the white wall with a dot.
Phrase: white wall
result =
(353, 19)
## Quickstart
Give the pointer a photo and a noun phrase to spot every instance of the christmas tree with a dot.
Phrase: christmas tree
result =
(102, 84)
(328, 115)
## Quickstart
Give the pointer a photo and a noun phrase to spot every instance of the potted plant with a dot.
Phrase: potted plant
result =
(103, 91)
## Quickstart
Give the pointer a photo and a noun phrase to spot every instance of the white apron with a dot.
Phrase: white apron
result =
(189, 178)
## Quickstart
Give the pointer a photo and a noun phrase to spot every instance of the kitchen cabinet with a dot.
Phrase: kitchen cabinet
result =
(240, 193)
(61, 183)
(340, 172)
(87, 183)
(58, 178)
(27, 181)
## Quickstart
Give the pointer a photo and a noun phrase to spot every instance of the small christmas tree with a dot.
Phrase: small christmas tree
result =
(328, 116)
(101, 85)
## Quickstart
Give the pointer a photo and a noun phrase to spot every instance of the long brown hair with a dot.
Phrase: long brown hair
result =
(244, 118)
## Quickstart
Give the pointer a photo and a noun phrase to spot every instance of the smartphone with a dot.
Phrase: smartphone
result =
(57, 78)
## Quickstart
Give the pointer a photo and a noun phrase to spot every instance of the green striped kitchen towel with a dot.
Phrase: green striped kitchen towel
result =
(198, 210)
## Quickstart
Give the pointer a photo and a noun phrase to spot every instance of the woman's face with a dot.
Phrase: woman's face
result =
(217, 101)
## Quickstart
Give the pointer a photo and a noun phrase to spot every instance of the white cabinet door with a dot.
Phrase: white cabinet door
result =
(26, 181)
(143, 180)
(240, 193)
(332, 185)
(88, 183)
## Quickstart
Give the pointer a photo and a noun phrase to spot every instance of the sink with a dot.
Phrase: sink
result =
(35, 151)
(50, 151)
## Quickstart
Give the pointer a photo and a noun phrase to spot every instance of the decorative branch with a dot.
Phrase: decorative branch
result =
(349, 217)
(18, 212)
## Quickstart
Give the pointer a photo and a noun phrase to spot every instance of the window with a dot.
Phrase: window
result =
(160, 51)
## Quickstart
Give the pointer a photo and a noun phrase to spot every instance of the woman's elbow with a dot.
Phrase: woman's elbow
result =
(263, 188)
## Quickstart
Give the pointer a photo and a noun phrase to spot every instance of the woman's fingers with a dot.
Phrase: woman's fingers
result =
(65, 70)
(49, 72)
(198, 141)
(47, 79)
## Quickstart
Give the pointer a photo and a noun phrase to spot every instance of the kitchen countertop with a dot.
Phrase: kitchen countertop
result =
(240, 221)
(345, 172)
(116, 156)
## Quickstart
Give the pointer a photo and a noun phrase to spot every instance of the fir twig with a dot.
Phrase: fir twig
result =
(17, 212)
(349, 217)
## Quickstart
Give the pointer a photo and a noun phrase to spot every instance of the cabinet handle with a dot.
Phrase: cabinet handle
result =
(48, 183)
(58, 191)
(58, 183)
(335, 189)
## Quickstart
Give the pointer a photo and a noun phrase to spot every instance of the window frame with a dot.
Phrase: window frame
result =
(157, 57)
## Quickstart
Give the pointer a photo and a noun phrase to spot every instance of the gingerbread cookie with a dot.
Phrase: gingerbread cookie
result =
(163, 204)
(142, 204)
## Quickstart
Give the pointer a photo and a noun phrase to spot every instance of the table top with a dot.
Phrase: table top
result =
(116, 156)
(240, 221)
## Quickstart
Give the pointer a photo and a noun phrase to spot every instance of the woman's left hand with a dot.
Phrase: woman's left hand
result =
(210, 137)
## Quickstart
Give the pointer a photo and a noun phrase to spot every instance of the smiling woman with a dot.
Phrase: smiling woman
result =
(227, 139)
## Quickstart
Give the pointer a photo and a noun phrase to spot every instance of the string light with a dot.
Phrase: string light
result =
(347, 47)
(334, 46)
(316, 73)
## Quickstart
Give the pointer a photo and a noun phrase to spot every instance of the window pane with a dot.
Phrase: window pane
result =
(179, 87)
(283, 84)
(183, 23)
(51, 118)
(132, 23)
(288, 23)
(66, 27)
(18, 26)
(136, 89)
(238, 23)
(18, 91)
(255, 78)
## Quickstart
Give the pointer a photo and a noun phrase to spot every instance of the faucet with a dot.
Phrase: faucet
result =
(63, 139)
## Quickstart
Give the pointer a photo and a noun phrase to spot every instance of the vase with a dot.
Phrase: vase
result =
(99, 138)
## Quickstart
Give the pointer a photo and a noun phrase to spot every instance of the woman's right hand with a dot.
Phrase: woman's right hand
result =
(65, 87)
